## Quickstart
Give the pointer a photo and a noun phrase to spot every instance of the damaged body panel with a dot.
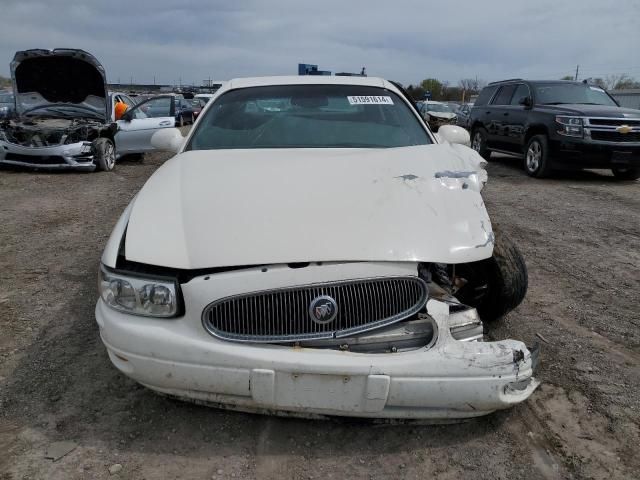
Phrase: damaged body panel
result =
(62, 112)
(346, 280)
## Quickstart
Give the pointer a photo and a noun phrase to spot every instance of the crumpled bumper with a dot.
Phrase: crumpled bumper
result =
(74, 156)
(450, 379)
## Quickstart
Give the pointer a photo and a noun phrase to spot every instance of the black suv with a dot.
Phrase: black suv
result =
(556, 124)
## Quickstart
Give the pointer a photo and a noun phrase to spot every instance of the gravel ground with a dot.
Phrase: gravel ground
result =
(580, 234)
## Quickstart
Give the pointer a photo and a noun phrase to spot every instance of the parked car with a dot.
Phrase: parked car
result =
(463, 114)
(331, 256)
(65, 116)
(7, 105)
(204, 96)
(197, 104)
(437, 114)
(184, 112)
(557, 125)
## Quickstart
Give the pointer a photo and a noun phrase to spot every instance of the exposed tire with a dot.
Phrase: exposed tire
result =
(193, 119)
(536, 157)
(626, 173)
(181, 122)
(497, 285)
(479, 142)
(105, 154)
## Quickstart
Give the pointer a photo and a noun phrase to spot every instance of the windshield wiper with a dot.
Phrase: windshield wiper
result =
(555, 103)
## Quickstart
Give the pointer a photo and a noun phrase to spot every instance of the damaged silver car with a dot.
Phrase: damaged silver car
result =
(65, 118)
(62, 119)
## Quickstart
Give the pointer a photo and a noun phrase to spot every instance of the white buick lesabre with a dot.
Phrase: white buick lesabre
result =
(313, 248)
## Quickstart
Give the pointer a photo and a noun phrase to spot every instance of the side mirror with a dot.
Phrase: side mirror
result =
(167, 139)
(454, 134)
(526, 101)
(127, 116)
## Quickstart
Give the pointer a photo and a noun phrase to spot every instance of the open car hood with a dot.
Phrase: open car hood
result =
(70, 81)
(217, 208)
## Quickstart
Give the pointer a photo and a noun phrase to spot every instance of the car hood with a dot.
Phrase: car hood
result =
(445, 115)
(66, 80)
(217, 208)
(592, 110)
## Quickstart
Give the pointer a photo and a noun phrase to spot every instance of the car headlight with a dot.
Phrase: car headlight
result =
(148, 297)
(570, 126)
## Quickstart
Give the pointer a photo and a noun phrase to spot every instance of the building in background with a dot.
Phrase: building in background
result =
(627, 98)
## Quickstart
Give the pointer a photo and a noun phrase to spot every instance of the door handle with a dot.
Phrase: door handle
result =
(506, 114)
(488, 111)
(165, 123)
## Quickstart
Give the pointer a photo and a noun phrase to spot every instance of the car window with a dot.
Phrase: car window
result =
(308, 116)
(6, 98)
(130, 103)
(559, 93)
(156, 107)
(521, 91)
(485, 95)
(504, 95)
(439, 107)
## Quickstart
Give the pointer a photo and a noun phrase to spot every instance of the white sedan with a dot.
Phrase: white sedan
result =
(314, 249)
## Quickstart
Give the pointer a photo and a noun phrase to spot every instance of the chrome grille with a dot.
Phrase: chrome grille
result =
(283, 315)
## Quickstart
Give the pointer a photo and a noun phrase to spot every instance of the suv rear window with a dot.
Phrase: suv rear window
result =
(485, 95)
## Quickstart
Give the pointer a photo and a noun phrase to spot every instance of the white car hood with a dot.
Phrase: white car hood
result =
(217, 208)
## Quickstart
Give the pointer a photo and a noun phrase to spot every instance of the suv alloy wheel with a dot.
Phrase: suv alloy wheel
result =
(536, 157)
(479, 143)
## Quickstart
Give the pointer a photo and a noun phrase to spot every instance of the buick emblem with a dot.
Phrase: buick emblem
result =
(323, 309)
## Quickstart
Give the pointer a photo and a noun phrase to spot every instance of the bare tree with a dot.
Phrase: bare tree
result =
(472, 85)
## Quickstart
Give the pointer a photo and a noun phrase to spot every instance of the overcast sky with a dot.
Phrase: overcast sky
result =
(404, 40)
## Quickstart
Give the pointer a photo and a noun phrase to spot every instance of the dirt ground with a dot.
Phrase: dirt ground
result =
(579, 233)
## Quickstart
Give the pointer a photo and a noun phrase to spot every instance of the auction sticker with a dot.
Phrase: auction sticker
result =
(370, 100)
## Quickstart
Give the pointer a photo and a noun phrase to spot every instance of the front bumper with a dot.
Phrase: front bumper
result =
(74, 156)
(449, 379)
(588, 153)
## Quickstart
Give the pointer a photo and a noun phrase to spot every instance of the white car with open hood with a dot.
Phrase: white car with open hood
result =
(65, 117)
(314, 249)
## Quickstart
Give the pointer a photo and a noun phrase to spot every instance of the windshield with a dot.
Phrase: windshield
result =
(439, 107)
(554, 94)
(308, 116)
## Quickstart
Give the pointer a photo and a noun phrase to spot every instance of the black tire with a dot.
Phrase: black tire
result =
(497, 285)
(181, 121)
(193, 119)
(479, 142)
(536, 157)
(105, 154)
(626, 173)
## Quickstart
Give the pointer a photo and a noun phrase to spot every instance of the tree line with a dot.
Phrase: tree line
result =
(611, 82)
(470, 87)
(445, 91)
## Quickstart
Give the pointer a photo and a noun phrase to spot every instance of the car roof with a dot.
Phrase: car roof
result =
(537, 82)
(307, 80)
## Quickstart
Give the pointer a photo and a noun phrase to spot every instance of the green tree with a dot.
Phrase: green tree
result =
(5, 82)
(567, 77)
(434, 86)
(417, 92)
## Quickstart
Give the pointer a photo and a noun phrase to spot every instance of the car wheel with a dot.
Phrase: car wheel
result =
(497, 285)
(479, 143)
(536, 157)
(105, 154)
(626, 173)
(193, 119)
(181, 121)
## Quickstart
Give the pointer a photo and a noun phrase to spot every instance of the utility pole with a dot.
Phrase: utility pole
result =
(577, 69)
